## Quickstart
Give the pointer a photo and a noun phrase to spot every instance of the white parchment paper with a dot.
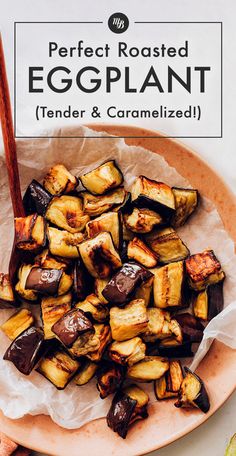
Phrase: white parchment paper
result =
(76, 406)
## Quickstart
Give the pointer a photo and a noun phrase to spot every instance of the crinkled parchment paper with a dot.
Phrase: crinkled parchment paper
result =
(75, 406)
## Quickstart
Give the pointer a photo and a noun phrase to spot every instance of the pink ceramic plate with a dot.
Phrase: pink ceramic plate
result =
(218, 369)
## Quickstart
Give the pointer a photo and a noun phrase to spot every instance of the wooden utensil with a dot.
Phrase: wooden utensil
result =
(10, 154)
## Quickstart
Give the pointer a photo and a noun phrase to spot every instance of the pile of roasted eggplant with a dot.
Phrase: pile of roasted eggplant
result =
(121, 297)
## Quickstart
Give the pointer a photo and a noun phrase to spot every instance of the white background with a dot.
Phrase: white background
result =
(211, 438)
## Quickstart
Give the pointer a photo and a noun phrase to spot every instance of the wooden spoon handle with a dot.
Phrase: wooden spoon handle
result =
(9, 139)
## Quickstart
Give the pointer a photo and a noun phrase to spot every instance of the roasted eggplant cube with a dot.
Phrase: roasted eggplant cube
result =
(67, 213)
(193, 393)
(124, 283)
(110, 222)
(191, 327)
(64, 244)
(71, 325)
(47, 261)
(169, 384)
(129, 321)
(17, 323)
(171, 348)
(127, 406)
(203, 269)
(142, 220)
(97, 205)
(58, 367)
(127, 352)
(200, 305)
(7, 298)
(140, 252)
(48, 281)
(93, 308)
(167, 245)
(26, 350)
(59, 180)
(186, 201)
(169, 286)
(92, 344)
(109, 379)
(153, 195)
(36, 199)
(103, 178)
(99, 285)
(103, 333)
(30, 232)
(100, 256)
(148, 369)
(161, 326)
(86, 373)
(28, 295)
(52, 309)
(145, 291)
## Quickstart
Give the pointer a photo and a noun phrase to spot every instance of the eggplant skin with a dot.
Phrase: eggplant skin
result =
(215, 299)
(120, 413)
(186, 201)
(123, 284)
(26, 350)
(71, 325)
(183, 350)
(109, 379)
(105, 177)
(153, 195)
(191, 327)
(193, 393)
(45, 281)
(52, 309)
(59, 180)
(203, 269)
(36, 199)
(7, 298)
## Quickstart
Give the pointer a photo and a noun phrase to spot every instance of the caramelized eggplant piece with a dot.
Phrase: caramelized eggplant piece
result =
(64, 244)
(52, 309)
(67, 212)
(172, 349)
(30, 232)
(124, 283)
(26, 350)
(161, 326)
(28, 295)
(169, 286)
(169, 384)
(200, 305)
(71, 325)
(145, 291)
(215, 299)
(127, 352)
(59, 180)
(58, 367)
(17, 323)
(127, 407)
(96, 205)
(99, 285)
(129, 321)
(124, 207)
(203, 269)
(100, 256)
(186, 201)
(47, 261)
(191, 327)
(193, 393)
(86, 373)
(48, 281)
(103, 178)
(148, 369)
(103, 333)
(167, 245)
(36, 199)
(142, 220)
(140, 252)
(92, 307)
(110, 222)
(7, 299)
(153, 195)
(82, 281)
(109, 379)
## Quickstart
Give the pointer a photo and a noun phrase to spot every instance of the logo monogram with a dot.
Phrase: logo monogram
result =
(118, 23)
